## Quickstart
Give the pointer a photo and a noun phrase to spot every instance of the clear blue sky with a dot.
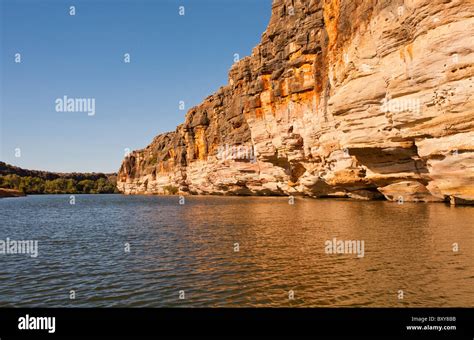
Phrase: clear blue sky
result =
(173, 58)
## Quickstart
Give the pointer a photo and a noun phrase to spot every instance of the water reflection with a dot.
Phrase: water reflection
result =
(192, 247)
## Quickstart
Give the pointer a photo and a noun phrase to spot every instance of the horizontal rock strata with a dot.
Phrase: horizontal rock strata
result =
(364, 99)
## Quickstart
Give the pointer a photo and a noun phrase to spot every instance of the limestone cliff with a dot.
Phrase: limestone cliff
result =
(361, 99)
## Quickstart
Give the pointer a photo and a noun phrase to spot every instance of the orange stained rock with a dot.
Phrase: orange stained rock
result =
(200, 143)
(331, 19)
(410, 50)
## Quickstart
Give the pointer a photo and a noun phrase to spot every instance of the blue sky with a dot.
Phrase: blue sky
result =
(172, 57)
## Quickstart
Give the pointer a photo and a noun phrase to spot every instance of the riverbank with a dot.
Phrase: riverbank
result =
(10, 193)
(44, 182)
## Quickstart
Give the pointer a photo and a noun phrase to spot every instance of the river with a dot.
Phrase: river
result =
(152, 251)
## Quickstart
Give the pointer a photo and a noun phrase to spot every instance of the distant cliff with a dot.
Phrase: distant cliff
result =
(364, 99)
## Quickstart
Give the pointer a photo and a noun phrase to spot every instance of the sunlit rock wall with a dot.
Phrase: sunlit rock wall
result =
(363, 99)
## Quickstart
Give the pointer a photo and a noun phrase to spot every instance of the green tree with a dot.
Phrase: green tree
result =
(86, 186)
(11, 181)
(37, 185)
(71, 186)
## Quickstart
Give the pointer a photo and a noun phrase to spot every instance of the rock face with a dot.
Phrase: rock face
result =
(364, 99)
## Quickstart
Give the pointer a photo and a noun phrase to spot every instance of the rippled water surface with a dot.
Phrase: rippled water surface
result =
(191, 248)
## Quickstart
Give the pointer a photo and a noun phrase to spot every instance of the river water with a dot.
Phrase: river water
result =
(151, 251)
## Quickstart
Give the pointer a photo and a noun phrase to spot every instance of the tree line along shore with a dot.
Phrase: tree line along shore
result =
(15, 181)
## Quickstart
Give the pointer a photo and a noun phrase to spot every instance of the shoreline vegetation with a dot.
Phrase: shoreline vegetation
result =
(17, 182)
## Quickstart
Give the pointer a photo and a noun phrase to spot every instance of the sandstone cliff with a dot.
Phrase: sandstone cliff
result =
(361, 99)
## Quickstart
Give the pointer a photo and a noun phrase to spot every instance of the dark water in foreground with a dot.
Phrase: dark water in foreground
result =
(190, 248)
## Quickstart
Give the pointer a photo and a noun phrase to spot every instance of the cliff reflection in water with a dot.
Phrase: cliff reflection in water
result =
(235, 252)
